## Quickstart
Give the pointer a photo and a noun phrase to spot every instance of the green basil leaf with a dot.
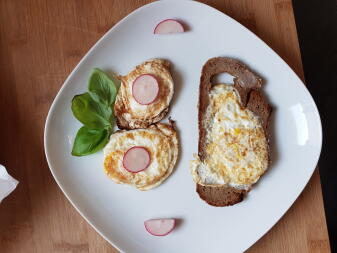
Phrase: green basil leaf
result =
(101, 87)
(91, 113)
(98, 98)
(89, 141)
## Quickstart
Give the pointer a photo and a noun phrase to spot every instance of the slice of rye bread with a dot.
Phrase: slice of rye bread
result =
(248, 85)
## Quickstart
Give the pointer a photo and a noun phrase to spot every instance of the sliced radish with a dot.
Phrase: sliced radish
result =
(136, 159)
(159, 227)
(145, 89)
(169, 26)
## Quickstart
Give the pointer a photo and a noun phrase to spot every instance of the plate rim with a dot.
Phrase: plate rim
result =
(89, 52)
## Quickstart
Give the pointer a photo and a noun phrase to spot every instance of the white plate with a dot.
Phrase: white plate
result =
(117, 212)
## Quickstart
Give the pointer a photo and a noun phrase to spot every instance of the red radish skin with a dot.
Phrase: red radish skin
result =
(145, 89)
(160, 227)
(136, 159)
(169, 26)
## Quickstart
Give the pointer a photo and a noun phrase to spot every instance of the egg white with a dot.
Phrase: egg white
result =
(161, 142)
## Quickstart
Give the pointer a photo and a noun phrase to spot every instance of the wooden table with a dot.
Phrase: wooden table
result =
(40, 43)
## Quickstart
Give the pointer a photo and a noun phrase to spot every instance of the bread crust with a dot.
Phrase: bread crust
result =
(248, 85)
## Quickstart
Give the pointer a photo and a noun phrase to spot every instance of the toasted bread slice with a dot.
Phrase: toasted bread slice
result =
(129, 113)
(248, 85)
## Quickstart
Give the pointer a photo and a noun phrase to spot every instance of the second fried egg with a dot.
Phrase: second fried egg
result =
(161, 143)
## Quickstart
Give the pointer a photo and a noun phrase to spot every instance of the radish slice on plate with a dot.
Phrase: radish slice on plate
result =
(159, 227)
(145, 89)
(169, 26)
(136, 159)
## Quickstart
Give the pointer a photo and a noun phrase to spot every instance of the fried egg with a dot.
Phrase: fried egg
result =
(236, 145)
(160, 141)
(130, 113)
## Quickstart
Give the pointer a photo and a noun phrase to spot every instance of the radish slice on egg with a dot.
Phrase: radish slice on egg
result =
(136, 159)
(169, 26)
(159, 227)
(145, 89)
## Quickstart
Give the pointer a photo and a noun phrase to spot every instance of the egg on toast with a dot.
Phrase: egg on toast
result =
(233, 150)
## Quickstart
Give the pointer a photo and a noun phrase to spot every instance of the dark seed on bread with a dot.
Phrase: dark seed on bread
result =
(248, 85)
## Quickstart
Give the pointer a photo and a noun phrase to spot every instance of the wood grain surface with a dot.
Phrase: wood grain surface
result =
(40, 43)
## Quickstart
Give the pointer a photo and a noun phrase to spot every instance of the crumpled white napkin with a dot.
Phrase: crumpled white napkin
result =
(7, 183)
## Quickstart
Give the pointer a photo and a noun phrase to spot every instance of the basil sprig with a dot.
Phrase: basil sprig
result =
(94, 109)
